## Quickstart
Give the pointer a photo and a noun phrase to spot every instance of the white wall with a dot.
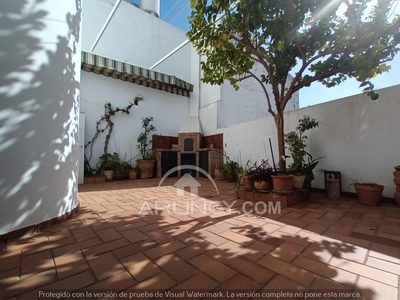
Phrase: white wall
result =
(249, 102)
(170, 112)
(358, 137)
(39, 90)
(210, 95)
(135, 37)
(223, 106)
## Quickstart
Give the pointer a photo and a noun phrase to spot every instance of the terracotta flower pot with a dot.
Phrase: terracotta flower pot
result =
(397, 197)
(218, 175)
(248, 183)
(146, 168)
(95, 179)
(99, 179)
(109, 174)
(262, 186)
(369, 194)
(298, 181)
(397, 168)
(396, 174)
(231, 177)
(241, 181)
(132, 174)
(89, 180)
(282, 183)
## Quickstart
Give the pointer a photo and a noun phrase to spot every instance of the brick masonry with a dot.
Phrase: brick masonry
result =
(215, 154)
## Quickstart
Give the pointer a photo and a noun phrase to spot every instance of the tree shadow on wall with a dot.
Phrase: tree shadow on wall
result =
(38, 115)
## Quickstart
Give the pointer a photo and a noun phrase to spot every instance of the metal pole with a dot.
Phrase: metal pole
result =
(105, 24)
(169, 54)
(187, 41)
(272, 154)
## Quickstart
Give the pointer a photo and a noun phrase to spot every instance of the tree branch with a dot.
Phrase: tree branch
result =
(262, 60)
(318, 77)
(265, 92)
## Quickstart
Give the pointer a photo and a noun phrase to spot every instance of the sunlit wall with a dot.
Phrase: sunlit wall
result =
(39, 90)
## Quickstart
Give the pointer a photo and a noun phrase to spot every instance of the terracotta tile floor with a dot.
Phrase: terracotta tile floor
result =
(118, 242)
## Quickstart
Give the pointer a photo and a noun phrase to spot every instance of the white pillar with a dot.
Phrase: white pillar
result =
(39, 91)
(195, 80)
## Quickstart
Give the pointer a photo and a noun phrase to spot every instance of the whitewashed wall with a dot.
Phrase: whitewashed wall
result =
(170, 112)
(39, 90)
(135, 37)
(358, 137)
(223, 106)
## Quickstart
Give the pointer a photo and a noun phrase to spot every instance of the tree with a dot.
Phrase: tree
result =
(320, 40)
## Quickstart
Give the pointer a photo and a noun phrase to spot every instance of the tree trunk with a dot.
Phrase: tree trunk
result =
(279, 123)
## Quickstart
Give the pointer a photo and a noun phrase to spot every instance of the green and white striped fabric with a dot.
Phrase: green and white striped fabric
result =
(119, 70)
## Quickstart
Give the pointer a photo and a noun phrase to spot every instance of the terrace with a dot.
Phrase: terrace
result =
(116, 243)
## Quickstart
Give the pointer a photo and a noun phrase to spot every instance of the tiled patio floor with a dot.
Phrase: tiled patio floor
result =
(315, 246)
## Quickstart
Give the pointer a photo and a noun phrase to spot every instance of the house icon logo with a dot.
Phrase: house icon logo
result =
(187, 181)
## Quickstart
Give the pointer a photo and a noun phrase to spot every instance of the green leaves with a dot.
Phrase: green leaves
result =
(331, 40)
(277, 33)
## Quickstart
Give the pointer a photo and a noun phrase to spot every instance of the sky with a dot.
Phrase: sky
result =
(176, 12)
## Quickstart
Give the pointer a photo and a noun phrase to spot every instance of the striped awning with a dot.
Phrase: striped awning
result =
(119, 70)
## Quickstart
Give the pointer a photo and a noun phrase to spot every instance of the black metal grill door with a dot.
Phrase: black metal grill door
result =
(203, 162)
(169, 160)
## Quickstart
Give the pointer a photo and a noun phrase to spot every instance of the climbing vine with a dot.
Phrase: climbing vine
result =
(109, 112)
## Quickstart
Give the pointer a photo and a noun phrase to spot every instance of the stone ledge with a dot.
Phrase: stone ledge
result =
(285, 200)
(26, 231)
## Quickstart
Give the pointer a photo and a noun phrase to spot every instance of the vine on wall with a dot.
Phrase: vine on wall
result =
(109, 112)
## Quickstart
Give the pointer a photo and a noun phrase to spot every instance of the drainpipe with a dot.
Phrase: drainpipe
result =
(105, 24)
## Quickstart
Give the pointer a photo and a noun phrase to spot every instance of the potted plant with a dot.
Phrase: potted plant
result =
(244, 179)
(108, 163)
(230, 169)
(122, 171)
(301, 169)
(133, 173)
(146, 164)
(369, 193)
(92, 176)
(217, 173)
(282, 183)
(262, 176)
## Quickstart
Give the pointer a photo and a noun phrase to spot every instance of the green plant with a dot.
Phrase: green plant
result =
(109, 112)
(309, 166)
(263, 172)
(121, 170)
(143, 140)
(230, 169)
(109, 161)
(296, 142)
(91, 172)
(365, 183)
(244, 171)
(317, 41)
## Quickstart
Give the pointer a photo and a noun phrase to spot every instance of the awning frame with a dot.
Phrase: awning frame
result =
(126, 72)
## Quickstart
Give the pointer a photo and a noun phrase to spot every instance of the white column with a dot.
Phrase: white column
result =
(195, 80)
(39, 111)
